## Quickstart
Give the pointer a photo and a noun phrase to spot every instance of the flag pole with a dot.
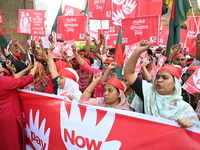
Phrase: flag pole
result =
(101, 26)
(195, 21)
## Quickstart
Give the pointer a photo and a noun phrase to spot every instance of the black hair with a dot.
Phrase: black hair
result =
(112, 50)
(90, 59)
(19, 66)
(4, 66)
(149, 52)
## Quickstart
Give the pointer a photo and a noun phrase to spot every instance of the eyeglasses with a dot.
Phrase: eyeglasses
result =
(124, 80)
(106, 63)
(180, 59)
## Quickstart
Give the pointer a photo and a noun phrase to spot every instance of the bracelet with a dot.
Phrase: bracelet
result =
(88, 90)
(133, 58)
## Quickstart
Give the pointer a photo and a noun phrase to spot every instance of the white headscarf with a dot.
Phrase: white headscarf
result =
(71, 87)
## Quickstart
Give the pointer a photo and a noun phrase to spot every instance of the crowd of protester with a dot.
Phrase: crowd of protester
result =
(89, 78)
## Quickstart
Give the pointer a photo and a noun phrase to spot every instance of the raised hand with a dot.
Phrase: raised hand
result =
(112, 65)
(15, 42)
(128, 7)
(117, 17)
(51, 47)
(73, 46)
(118, 2)
(198, 38)
(33, 43)
(97, 77)
(75, 131)
(34, 131)
(50, 38)
(175, 48)
(40, 42)
(144, 45)
(95, 41)
(87, 36)
(143, 62)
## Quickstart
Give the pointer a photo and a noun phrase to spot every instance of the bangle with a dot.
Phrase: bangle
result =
(88, 90)
(133, 58)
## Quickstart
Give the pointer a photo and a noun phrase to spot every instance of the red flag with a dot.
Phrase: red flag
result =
(71, 28)
(100, 9)
(191, 36)
(119, 58)
(192, 85)
(118, 52)
(141, 28)
(31, 22)
(1, 18)
(164, 35)
(183, 37)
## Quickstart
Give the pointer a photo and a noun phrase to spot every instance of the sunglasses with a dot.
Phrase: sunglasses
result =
(106, 63)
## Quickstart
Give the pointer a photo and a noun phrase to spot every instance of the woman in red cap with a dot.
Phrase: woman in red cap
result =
(163, 98)
(113, 95)
(189, 98)
(65, 81)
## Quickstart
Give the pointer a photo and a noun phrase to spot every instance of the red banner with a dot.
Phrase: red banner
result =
(93, 34)
(51, 123)
(105, 33)
(1, 18)
(161, 61)
(45, 41)
(123, 9)
(183, 37)
(100, 9)
(164, 35)
(192, 85)
(141, 28)
(72, 11)
(56, 51)
(191, 36)
(71, 28)
(68, 50)
(31, 22)
(112, 39)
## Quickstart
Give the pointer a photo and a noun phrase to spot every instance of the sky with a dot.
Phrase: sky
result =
(52, 6)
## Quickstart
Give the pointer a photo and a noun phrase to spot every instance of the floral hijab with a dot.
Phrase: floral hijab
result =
(167, 106)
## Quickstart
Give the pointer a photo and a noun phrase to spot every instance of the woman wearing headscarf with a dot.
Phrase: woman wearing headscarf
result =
(65, 81)
(113, 95)
(189, 98)
(11, 125)
(59, 65)
(163, 98)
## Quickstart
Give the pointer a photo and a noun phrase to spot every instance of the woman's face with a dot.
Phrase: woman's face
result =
(111, 95)
(13, 69)
(61, 82)
(126, 82)
(187, 75)
(164, 83)
(105, 66)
